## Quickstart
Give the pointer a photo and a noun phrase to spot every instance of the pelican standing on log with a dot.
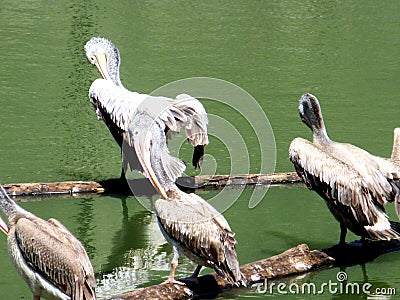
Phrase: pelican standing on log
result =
(354, 184)
(47, 256)
(191, 225)
(116, 114)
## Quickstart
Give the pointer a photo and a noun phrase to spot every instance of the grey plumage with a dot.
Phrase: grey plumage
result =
(189, 223)
(354, 184)
(47, 256)
(199, 232)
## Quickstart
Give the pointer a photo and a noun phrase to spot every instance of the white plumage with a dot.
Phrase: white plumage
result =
(116, 105)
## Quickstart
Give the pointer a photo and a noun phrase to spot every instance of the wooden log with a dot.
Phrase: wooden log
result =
(120, 186)
(65, 187)
(296, 260)
(219, 181)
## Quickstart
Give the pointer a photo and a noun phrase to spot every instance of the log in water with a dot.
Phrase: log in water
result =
(120, 186)
(297, 260)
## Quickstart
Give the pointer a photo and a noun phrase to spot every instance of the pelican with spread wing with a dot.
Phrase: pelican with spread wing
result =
(47, 256)
(354, 184)
(117, 113)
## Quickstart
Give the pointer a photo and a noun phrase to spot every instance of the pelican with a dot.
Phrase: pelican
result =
(191, 225)
(116, 114)
(47, 256)
(174, 115)
(354, 184)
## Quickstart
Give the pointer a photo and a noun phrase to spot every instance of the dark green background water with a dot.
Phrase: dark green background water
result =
(345, 52)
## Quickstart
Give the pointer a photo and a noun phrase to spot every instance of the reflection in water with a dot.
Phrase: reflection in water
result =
(82, 138)
(86, 228)
(135, 265)
(137, 249)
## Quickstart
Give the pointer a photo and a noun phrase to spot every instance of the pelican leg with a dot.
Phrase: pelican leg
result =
(174, 264)
(196, 271)
(126, 156)
(123, 168)
(343, 232)
(363, 241)
(122, 176)
(193, 278)
(36, 297)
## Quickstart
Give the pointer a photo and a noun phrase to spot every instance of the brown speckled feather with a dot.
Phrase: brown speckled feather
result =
(197, 226)
(356, 195)
(50, 249)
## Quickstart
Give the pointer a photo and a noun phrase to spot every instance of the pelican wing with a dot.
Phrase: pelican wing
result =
(50, 249)
(67, 238)
(198, 227)
(197, 120)
(162, 109)
(114, 103)
(139, 131)
(380, 175)
(196, 125)
(337, 181)
(173, 166)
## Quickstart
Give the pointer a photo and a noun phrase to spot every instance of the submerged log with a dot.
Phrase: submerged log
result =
(294, 261)
(143, 187)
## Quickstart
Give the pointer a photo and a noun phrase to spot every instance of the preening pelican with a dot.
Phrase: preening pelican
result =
(191, 225)
(105, 56)
(47, 256)
(354, 184)
(118, 106)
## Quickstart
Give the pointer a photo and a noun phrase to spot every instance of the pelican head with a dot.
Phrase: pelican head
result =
(148, 138)
(105, 56)
(311, 115)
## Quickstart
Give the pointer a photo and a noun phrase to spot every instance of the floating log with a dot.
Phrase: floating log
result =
(143, 187)
(219, 181)
(294, 261)
(65, 187)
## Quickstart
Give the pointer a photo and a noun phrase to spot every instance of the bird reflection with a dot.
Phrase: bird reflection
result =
(133, 255)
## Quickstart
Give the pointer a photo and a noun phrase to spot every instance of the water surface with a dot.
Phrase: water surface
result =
(344, 52)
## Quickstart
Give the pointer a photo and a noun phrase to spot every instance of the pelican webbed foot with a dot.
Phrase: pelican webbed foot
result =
(173, 281)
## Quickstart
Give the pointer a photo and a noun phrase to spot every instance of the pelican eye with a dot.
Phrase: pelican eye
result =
(92, 59)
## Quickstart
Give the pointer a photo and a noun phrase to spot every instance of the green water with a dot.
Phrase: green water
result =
(344, 52)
